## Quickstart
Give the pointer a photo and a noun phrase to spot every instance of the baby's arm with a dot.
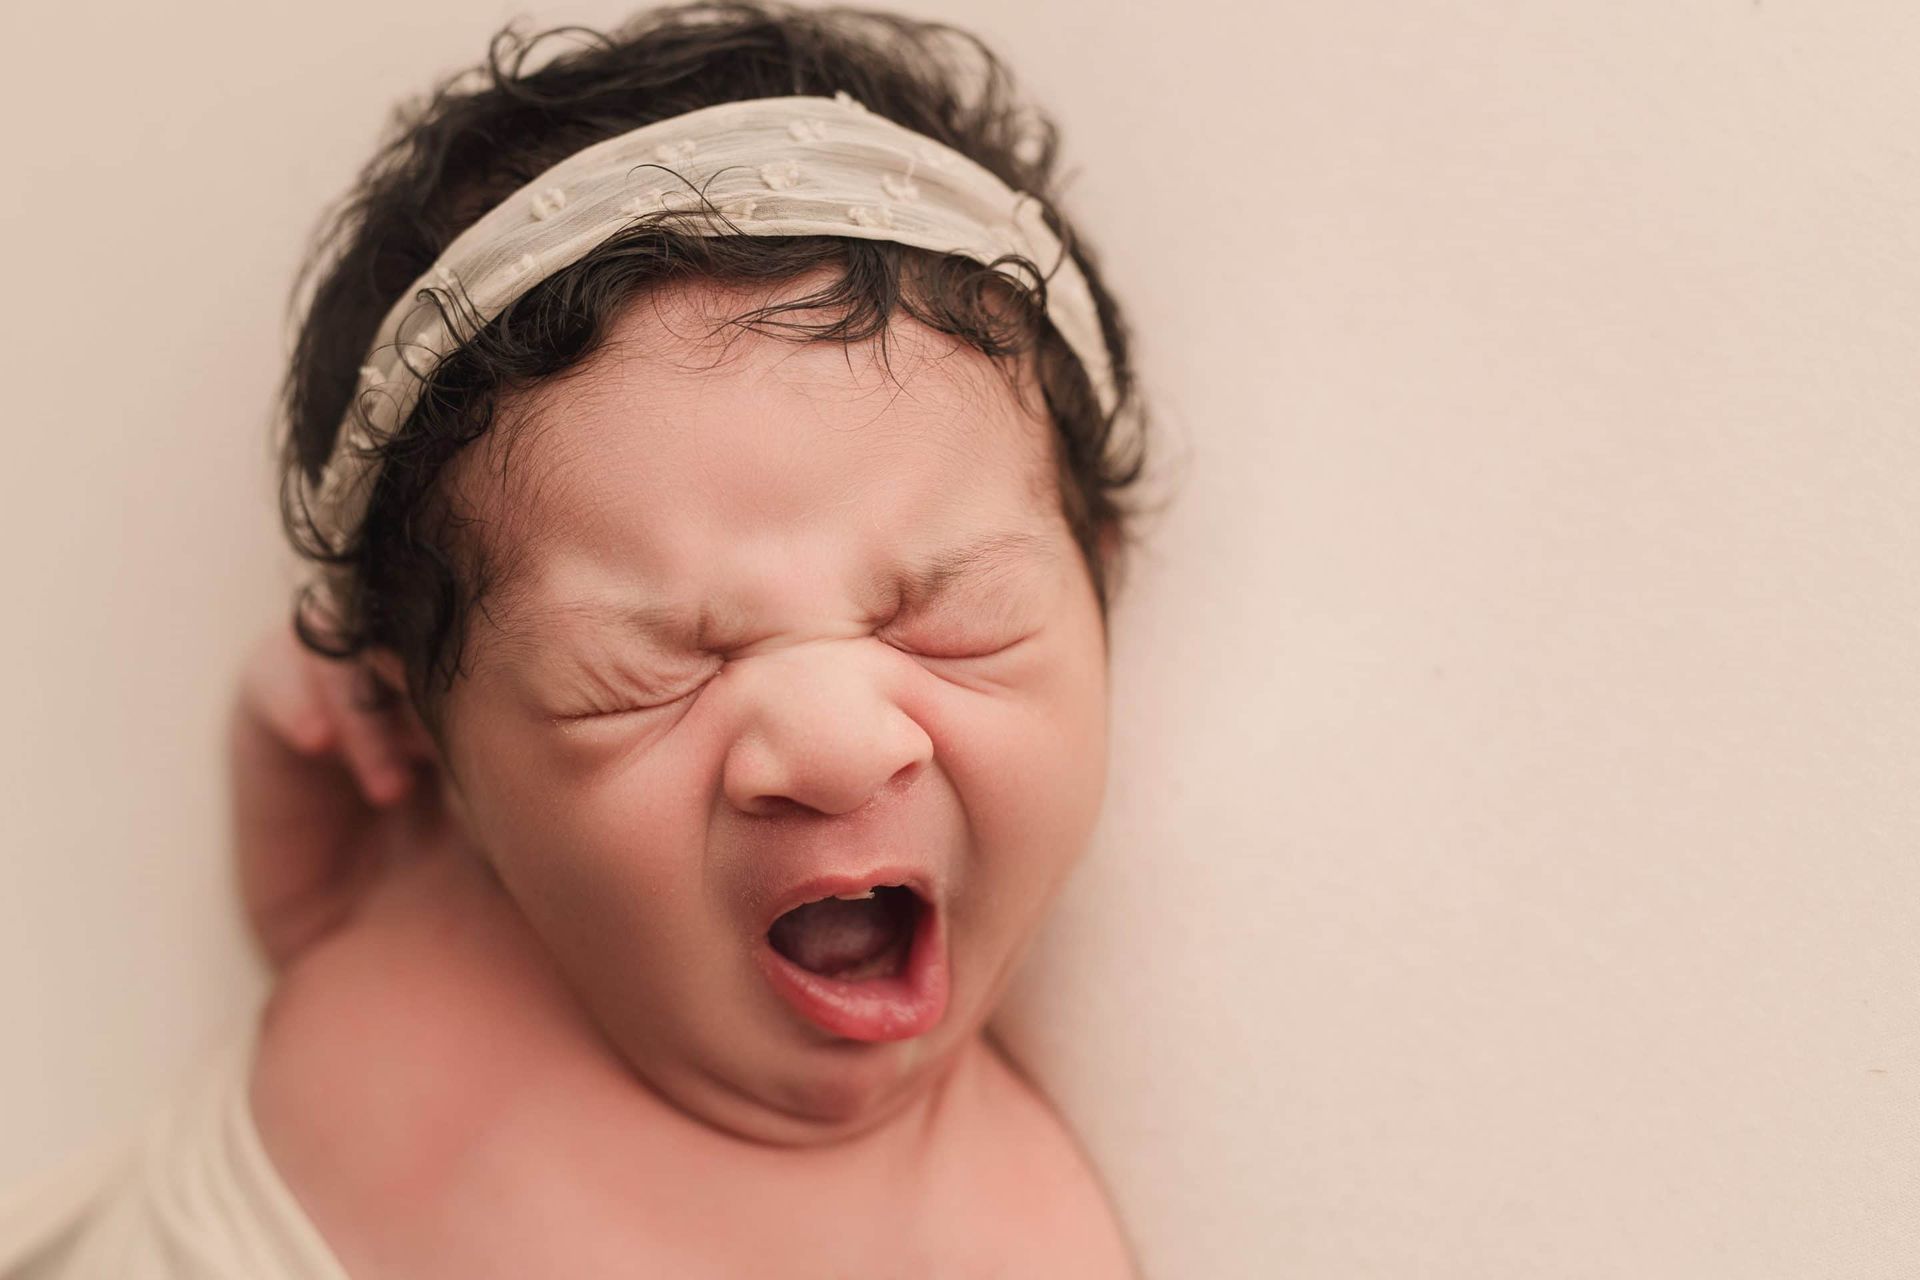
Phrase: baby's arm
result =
(313, 777)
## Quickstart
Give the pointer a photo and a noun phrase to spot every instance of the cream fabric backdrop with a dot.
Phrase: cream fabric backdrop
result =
(1510, 862)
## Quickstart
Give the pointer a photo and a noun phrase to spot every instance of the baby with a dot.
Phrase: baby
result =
(734, 575)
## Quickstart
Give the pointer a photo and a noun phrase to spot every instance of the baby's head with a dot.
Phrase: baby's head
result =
(752, 588)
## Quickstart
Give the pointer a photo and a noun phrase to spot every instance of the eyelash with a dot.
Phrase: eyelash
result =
(602, 713)
(970, 651)
(962, 657)
(994, 619)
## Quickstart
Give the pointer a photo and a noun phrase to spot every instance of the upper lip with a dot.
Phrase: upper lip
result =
(827, 886)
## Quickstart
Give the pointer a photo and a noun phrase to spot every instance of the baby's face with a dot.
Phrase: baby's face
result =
(726, 682)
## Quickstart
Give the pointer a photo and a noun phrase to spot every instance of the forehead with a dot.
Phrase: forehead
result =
(690, 444)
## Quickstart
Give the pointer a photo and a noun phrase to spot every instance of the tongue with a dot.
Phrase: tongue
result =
(833, 935)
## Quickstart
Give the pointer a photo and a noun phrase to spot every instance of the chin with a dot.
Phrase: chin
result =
(812, 1094)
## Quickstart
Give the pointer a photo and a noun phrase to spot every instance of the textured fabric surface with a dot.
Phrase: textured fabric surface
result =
(195, 1198)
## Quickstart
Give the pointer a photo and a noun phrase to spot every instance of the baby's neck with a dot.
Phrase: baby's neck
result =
(943, 1111)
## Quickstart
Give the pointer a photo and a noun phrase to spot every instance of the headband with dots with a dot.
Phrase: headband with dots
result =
(771, 167)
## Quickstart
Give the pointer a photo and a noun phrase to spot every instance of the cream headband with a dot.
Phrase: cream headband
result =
(773, 167)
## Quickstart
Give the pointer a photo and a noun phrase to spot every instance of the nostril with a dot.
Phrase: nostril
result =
(778, 806)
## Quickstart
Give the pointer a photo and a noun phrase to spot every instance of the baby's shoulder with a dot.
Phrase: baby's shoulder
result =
(420, 1050)
(1024, 1177)
(421, 1002)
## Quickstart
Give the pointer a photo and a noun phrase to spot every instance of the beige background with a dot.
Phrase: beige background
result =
(1511, 867)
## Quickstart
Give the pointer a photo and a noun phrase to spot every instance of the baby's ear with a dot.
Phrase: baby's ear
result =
(1109, 543)
(414, 741)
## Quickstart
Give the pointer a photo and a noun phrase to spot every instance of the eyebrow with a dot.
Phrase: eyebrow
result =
(995, 553)
(907, 589)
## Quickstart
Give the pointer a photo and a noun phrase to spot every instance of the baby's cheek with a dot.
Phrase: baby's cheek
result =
(568, 840)
(1029, 765)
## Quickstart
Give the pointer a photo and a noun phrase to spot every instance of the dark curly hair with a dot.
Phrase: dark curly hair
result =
(409, 575)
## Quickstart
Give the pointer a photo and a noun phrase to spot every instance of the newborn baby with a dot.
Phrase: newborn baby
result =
(765, 771)
(706, 442)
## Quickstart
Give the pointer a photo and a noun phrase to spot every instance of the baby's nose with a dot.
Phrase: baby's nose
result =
(820, 727)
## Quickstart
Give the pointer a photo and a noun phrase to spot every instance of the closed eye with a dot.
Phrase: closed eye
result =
(578, 717)
(956, 653)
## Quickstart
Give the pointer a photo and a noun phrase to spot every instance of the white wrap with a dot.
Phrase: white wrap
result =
(194, 1199)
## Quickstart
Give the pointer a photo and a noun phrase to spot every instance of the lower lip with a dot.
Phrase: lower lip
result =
(874, 1010)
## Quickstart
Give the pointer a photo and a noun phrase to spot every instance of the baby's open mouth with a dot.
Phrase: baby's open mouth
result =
(861, 963)
(850, 938)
